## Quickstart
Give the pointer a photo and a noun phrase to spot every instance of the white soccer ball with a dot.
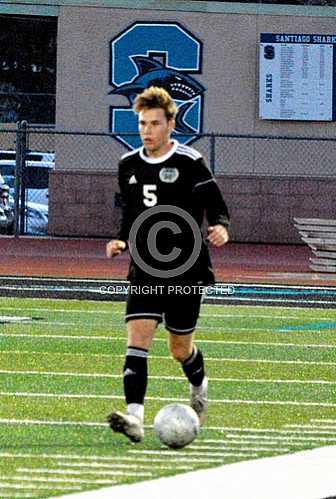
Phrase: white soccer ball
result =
(176, 425)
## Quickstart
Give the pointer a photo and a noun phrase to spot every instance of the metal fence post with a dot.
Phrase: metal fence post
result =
(212, 152)
(19, 207)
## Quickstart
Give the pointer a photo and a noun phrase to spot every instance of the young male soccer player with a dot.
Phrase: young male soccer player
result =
(166, 189)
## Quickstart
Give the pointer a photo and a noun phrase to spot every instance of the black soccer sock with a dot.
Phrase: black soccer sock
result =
(193, 367)
(135, 375)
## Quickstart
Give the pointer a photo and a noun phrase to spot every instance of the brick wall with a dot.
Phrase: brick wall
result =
(82, 203)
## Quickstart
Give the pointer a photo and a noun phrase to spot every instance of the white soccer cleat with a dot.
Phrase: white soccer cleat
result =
(127, 424)
(199, 400)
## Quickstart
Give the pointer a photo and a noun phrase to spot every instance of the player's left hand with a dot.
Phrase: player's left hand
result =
(217, 235)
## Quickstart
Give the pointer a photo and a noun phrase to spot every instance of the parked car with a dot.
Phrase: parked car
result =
(36, 181)
(38, 156)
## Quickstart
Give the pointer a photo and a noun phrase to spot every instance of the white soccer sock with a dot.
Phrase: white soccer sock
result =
(201, 388)
(137, 410)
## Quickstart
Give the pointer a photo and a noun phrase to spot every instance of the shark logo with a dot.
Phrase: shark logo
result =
(180, 86)
(151, 68)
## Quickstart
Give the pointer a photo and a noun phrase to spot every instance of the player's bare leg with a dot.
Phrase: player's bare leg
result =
(184, 351)
(140, 335)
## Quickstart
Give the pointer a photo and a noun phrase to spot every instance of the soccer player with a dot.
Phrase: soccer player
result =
(166, 189)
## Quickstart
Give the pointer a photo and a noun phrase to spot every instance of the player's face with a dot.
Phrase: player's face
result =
(155, 130)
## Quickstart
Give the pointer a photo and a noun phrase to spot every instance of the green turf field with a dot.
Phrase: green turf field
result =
(272, 391)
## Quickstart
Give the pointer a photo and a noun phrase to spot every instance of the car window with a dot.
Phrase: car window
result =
(9, 180)
(7, 155)
(35, 177)
(7, 169)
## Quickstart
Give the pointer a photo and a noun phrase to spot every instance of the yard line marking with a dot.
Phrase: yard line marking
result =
(122, 338)
(265, 430)
(323, 421)
(113, 465)
(99, 459)
(17, 496)
(224, 329)
(290, 439)
(166, 357)
(14, 496)
(263, 316)
(51, 471)
(167, 399)
(173, 378)
(56, 323)
(229, 429)
(122, 312)
(58, 480)
(191, 453)
(241, 449)
(98, 424)
(6, 485)
(50, 423)
(62, 336)
(271, 442)
(231, 441)
(272, 300)
(323, 427)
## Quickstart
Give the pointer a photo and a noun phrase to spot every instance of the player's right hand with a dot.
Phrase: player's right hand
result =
(115, 247)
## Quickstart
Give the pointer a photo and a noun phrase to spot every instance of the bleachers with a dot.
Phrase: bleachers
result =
(320, 235)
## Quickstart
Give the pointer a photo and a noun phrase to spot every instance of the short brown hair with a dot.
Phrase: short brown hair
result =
(156, 97)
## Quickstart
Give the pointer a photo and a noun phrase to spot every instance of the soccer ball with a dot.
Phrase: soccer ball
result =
(176, 425)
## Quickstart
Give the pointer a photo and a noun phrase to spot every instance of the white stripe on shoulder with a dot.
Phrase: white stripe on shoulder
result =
(204, 182)
(127, 154)
(188, 151)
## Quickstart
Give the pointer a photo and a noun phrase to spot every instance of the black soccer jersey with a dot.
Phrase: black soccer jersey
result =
(164, 202)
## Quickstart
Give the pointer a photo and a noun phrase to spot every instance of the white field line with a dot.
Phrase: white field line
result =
(270, 442)
(286, 440)
(248, 315)
(15, 496)
(50, 423)
(55, 471)
(165, 357)
(114, 465)
(7, 485)
(257, 431)
(57, 480)
(322, 427)
(228, 436)
(277, 301)
(279, 329)
(323, 421)
(166, 399)
(169, 378)
(251, 315)
(122, 338)
(169, 453)
(125, 282)
(238, 442)
(240, 449)
(223, 329)
(55, 323)
(107, 459)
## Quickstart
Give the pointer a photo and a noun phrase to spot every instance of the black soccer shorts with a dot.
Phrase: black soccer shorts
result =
(176, 306)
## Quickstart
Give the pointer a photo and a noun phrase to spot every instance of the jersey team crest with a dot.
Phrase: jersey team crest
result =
(169, 175)
(160, 54)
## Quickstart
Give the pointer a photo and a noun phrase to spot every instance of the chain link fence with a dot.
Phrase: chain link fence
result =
(28, 155)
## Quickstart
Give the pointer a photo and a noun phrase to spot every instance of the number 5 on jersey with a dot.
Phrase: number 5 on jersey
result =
(150, 198)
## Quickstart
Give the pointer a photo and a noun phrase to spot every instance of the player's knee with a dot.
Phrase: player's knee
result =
(179, 352)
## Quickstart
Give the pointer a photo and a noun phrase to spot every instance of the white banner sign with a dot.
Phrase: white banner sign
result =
(296, 77)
